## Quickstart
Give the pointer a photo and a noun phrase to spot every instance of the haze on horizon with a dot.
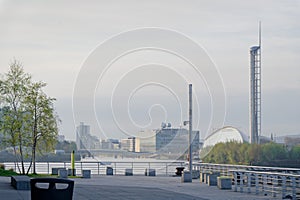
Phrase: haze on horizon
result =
(53, 39)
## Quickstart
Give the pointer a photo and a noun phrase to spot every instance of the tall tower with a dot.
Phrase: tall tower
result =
(255, 91)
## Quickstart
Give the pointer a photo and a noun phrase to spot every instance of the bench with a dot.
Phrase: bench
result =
(20, 182)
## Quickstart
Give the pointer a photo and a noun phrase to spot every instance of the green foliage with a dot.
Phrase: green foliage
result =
(28, 121)
(295, 153)
(252, 154)
(7, 172)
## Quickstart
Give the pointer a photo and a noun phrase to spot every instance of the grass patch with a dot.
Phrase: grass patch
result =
(42, 176)
(4, 172)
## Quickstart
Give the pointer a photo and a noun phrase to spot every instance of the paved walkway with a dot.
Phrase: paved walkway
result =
(135, 187)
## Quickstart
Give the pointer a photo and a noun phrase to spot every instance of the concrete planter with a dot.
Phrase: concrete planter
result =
(55, 170)
(195, 174)
(224, 183)
(109, 171)
(151, 172)
(71, 172)
(86, 173)
(128, 172)
(63, 173)
(186, 177)
(212, 179)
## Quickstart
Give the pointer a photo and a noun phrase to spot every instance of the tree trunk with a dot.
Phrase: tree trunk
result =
(33, 156)
(15, 151)
(21, 154)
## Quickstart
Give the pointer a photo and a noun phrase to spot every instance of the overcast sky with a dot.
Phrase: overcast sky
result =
(55, 39)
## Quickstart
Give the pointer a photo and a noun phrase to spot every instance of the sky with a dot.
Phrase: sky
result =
(88, 54)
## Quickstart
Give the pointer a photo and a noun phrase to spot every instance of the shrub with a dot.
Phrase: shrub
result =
(2, 166)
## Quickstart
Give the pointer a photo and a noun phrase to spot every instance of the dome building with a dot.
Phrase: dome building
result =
(225, 134)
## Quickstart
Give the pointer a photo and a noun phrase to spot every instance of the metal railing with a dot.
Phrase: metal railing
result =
(224, 169)
(271, 181)
(267, 183)
(99, 168)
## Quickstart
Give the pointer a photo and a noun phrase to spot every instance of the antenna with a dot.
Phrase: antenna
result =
(259, 34)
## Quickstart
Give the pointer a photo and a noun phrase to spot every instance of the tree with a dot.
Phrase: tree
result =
(43, 120)
(295, 153)
(28, 120)
(13, 89)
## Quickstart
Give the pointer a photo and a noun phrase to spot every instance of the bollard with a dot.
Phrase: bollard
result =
(73, 163)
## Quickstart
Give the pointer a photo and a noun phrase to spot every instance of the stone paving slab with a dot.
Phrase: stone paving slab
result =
(135, 187)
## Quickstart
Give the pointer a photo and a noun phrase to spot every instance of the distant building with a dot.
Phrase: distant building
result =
(225, 134)
(84, 140)
(175, 140)
(131, 144)
(147, 141)
(110, 144)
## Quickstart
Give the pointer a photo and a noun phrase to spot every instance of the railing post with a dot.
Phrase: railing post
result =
(241, 182)
(294, 187)
(166, 169)
(274, 185)
(249, 182)
(256, 184)
(265, 185)
(283, 186)
(81, 166)
(98, 168)
(235, 181)
(48, 167)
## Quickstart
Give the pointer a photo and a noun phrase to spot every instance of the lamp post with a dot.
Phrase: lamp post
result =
(187, 177)
(190, 128)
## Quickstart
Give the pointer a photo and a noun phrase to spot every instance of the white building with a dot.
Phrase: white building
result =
(131, 144)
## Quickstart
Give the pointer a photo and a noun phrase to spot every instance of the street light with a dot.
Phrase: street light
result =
(190, 128)
(187, 177)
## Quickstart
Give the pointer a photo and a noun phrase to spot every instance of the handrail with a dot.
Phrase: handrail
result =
(99, 167)
(259, 179)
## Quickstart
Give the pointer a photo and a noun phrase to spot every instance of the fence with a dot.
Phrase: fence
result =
(271, 181)
(99, 168)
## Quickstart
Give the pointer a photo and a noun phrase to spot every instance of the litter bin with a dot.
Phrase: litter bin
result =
(51, 188)
(179, 171)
